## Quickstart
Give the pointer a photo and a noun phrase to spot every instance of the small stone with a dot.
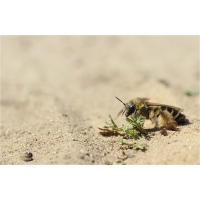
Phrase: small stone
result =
(176, 140)
(27, 156)
(131, 156)
(122, 157)
(82, 156)
(104, 154)
(107, 162)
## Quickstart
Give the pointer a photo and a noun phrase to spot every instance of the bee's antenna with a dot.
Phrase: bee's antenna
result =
(120, 100)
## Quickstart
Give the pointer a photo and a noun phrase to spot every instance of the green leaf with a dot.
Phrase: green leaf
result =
(132, 131)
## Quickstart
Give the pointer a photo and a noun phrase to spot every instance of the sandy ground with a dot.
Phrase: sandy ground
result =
(56, 91)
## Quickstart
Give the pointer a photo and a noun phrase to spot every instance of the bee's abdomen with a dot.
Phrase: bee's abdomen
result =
(178, 116)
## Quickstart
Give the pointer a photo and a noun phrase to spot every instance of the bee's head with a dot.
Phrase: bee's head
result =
(129, 108)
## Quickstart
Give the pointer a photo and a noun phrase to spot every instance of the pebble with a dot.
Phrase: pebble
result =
(176, 140)
(131, 156)
(27, 156)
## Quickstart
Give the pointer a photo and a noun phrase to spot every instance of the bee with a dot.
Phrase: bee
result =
(169, 116)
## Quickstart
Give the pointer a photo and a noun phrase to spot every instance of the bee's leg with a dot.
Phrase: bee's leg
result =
(120, 112)
(137, 114)
(153, 118)
(167, 120)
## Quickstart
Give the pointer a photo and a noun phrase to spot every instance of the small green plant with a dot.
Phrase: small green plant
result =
(134, 130)
(136, 146)
(189, 92)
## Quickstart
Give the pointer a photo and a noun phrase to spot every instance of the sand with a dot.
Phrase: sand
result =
(56, 91)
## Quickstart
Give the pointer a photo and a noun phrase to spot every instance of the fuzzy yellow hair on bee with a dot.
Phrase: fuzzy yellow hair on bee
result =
(169, 116)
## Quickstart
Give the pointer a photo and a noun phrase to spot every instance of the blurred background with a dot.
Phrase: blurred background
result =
(57, 90)
(85, 73)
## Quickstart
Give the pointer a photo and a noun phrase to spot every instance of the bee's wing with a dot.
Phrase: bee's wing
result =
(144, 99)
(164, 105)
